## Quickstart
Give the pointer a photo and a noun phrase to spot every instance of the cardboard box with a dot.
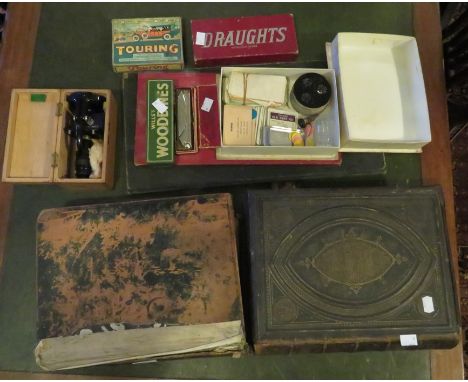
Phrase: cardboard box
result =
(192, 80)
(244, 40)
(36, 149)
(153, 43)
(208, 136)
(327, 152)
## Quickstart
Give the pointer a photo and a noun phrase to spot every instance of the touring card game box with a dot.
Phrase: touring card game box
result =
(147, 44)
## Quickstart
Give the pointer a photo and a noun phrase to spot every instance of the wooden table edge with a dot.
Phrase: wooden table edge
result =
(16, 56)
(435, 160)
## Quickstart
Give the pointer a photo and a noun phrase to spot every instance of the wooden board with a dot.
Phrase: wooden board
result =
(32, 131)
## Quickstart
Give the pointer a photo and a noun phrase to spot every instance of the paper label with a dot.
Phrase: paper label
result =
(282, 118)
(239, 129)
(159, 122)
(409, 340)
(160, 106)
(428, 304)
(207, 103)
(200, 39)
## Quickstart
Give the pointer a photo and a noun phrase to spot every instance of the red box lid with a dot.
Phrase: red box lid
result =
(208, 133)
(239, 40)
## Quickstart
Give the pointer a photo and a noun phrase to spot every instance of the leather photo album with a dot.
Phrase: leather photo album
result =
(347, 270)
(136, 281)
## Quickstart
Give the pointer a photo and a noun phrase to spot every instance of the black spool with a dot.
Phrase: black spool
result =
(311, 90)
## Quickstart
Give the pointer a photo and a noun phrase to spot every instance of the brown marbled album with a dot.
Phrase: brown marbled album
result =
(137, 264)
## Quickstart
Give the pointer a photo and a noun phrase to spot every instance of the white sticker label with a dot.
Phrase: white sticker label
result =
(160, 106)
(428, 304)
(207, 103)
(408, 340)
(200, 39)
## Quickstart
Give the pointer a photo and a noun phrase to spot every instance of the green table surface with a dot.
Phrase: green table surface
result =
(73, 50)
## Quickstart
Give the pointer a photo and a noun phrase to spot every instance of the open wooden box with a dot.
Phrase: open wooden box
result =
(36, 149)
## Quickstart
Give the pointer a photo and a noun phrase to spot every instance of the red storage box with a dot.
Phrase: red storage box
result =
(244, 40)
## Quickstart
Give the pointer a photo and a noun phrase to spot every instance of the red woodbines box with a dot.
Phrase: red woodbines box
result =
(244, 40)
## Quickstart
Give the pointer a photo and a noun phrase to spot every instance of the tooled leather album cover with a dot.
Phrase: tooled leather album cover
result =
(346, 270)
(142, 264)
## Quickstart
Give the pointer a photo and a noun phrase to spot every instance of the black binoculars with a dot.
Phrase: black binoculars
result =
(84, 122)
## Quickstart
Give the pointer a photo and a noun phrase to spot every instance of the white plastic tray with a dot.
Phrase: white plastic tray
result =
(381, 92)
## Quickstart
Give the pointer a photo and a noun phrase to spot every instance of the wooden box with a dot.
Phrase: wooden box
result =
(36, 149)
